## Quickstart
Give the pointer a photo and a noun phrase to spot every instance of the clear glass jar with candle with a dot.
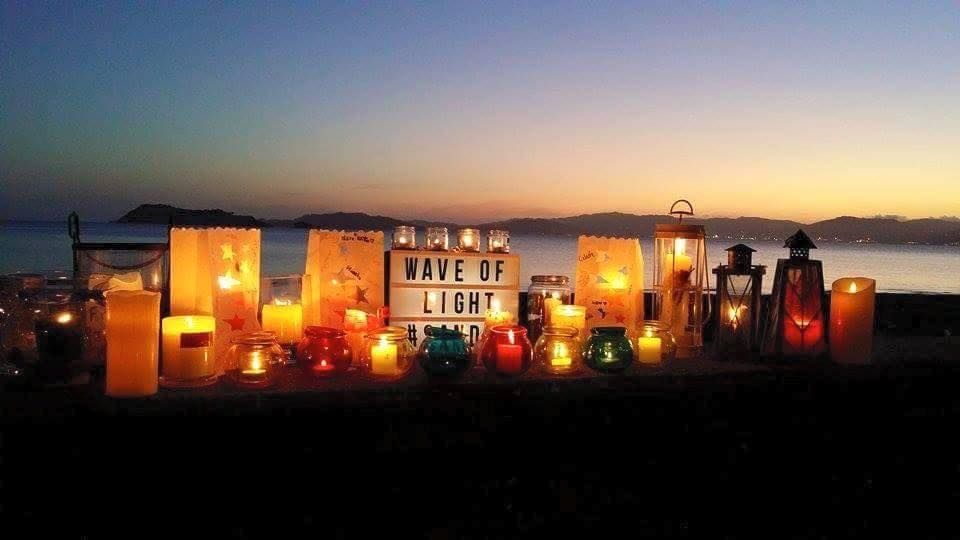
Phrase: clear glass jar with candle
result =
(60, 336)
(404, 237)
(558, 351)
(437, 239)
(545, 294)
(387, 353)
(324, 352)
(507, 352)
(444, 353)
(608, 350)
(655, 344)
(254, 360)
(281, 310)
(468, 240)
(498, 241)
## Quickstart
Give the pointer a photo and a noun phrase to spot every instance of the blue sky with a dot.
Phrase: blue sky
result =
(475, 110)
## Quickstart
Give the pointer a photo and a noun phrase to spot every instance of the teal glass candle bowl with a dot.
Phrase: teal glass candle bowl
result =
(608, 350)
(444, 353)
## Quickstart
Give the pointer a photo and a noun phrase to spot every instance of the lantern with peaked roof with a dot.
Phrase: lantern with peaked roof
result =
(680, 280)
(737, 318)
(796, 325)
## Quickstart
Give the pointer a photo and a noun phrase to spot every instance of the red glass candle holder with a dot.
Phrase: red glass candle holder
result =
(323, 351)
(507, 351)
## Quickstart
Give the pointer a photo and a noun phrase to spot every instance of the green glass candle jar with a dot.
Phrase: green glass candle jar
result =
(444, 353)
(608, 350)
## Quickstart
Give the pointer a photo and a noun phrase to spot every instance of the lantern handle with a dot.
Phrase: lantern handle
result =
(680, 213)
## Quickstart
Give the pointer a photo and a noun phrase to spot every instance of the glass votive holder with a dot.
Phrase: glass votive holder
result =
(444, 353)
(608, 350)
(387, 353)
(281, 310)
(60, 338)
(468, 240)
(187, 351)
(507, 351)
(558, 351)
(655, 344)
(437, 239)
(254, 360)
(404, 237)
(545, 294)
(498, 241)
(324, 352)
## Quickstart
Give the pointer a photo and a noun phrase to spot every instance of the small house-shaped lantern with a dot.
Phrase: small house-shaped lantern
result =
(738, 302)
(796, 325)
(680, 280)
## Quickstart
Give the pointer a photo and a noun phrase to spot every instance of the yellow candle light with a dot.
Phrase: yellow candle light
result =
(495, 316)
(570, 315)
(254, 365)
(383, 358)
(649, 347)
(132, 328)
(677, 265)
(188, 356)
(549, 304)
(285, 319)
(851, 320)
(561, 355)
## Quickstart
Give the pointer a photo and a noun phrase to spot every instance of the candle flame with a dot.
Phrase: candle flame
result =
(853, 286)
(680, 246)
(255, 362)
(402, 240)
(323, 362)
(64, 318)
(510, 337)
(189, 321)
(282, 302)
(648, 332)
(619, 283)
(383, 341)
(227, 281)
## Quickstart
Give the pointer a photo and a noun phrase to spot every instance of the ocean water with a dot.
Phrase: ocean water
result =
(45, 247)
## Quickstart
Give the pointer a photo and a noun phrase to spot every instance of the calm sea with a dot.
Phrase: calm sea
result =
(45, 247)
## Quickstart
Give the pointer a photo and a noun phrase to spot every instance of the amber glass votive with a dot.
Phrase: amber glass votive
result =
(507, 352)
(468, 240)
(558, 351)
(324, 352)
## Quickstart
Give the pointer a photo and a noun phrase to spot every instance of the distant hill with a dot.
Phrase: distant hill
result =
(886, 230)
(164, 213)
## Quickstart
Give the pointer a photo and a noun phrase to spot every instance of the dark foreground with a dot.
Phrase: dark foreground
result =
(704, 449)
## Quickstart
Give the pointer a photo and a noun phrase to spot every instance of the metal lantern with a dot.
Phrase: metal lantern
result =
(680, 280)
(738, 302)
(796, 326)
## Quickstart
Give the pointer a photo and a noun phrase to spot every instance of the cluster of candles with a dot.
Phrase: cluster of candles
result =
(437, 239)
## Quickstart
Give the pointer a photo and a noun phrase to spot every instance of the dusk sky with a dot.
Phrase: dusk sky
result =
(479, 110)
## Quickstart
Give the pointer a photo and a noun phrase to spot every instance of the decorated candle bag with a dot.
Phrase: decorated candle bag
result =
(346, 272)
(216, 272)
(610, 281)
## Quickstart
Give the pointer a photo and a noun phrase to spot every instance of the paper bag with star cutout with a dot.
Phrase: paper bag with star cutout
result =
(216, 272)
(346, 271)
(610, 281)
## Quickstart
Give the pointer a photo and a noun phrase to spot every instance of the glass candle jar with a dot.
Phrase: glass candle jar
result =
(570, 315)
(444, 353)
(281, 310)
(437, 239)
(387, 353)
(468, 240)
(254, 360)
(17, 320)
(404, 237)
(558, 351)
(498, 241)
(324, 352)
(59, 337)
(507, 352)
(545, 294)
(608, 350)
(187, 346)
(655, 343)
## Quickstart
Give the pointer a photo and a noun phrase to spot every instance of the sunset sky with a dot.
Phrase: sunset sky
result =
(479, 110)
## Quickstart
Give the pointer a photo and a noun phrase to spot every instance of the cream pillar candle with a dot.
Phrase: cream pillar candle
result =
(188, 351)
(570, 315)
(851, 320)
(133, 336)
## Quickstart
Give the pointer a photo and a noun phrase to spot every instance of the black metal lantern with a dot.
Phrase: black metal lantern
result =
(796, 326)
(737, 317)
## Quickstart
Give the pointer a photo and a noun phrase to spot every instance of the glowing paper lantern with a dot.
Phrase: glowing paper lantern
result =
(609, 282)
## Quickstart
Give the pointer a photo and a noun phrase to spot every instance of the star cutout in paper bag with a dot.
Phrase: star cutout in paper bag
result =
(361, 295)
(621, 319)
(236, 323)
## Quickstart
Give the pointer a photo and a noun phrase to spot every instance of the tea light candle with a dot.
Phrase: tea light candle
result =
(383, 357)
(468, 240)
(133, 343)
(851, 320)
(649, 347)
(561, 355)
(570, 315)
(285, 319)
(188, 356)
(252, 365)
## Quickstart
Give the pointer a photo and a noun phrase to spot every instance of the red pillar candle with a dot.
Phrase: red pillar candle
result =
(507, 351)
